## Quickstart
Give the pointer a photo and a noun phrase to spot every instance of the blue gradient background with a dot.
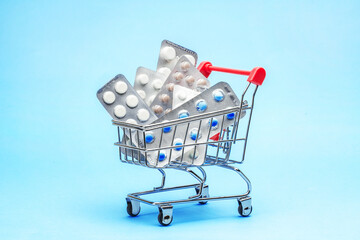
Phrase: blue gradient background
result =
(60, 177)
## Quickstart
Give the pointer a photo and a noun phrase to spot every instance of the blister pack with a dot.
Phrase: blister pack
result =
(181, 95)
(184, 74)
(123, 103)
(148, 83)
(170, 53)
(219, 96)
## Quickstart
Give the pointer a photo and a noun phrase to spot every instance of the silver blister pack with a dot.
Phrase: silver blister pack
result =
(184, 74)
(170, 53)
(123, 103)
(148, 83)
(182, 95)
(219, 96)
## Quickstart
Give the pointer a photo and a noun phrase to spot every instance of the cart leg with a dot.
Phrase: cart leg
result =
(165, 216)
(245, 207)
(162, 181)
(133, 207)
(204, 194)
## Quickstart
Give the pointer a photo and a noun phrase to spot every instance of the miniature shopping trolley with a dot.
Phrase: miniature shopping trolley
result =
(217, 149)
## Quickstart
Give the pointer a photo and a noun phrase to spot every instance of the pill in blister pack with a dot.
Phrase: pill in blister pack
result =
(123, 103)
(170, 53)
(148, 83)
(181, 95)
(184, 74)
(220, 96)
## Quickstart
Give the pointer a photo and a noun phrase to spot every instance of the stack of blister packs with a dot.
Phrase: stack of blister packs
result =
(177, 89)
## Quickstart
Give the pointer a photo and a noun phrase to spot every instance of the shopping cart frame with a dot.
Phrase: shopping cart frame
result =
(138, 154)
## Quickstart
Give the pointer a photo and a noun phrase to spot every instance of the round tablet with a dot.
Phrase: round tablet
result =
(162, 156)
(183, 114)
(149, 137)
(170, 87)
(230, 116)
(141, 93)
(178, 76)
(218, 95)
(181, 95)
(132, 101)
(157, 109)
(194, 154)
(109, 97)
(143, 79)
(185, 65)
(121, 87)
(190, 80)
(150, 100)
(165, 71)
(157, 84)
(177, 142)
(143, 115)
(214, 123)
(165, 98)
(119, 111)
(194, 134)
(132, 121)
(191, 59)
(201, 105)
(166, 129)
(168, 53)
(201, 82)
(167, 110)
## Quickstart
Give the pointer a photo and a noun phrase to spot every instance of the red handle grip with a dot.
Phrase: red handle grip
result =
(256, 76)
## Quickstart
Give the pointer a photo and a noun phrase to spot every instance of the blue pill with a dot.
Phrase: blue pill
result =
(201, 106)
(149, 138)
(194, 134)
(230, 116)
(183, 114)
(166, 129)
(214, 123)
(177, 144)
(218, 95)
(162, 156)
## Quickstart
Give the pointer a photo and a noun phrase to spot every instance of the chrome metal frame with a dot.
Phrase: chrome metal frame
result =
(137, 155)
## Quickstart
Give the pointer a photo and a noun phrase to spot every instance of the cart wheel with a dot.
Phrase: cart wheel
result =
(205, 194)
(244, 212)
(133, 210)
(164, 220)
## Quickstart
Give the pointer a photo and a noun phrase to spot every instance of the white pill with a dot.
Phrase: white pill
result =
(132, 121)
(181, 95)
(141, 93)
(132, 101)
(143, 114)
(185, 65)
(168, 53)
(143, 79)
(109, 97)
(150, 100)
(121, 87)
(191, 59)
(157, 84)
(119, 111)
(165, 71)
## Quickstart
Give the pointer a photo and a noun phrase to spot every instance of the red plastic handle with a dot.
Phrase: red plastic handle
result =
(256, 76)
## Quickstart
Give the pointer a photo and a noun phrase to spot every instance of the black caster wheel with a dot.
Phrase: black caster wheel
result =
(164, 220)
(244, 212)
(131, 210)
(202, 202)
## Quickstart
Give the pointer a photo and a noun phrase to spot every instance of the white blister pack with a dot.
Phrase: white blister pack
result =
(220, 96)
(184, 74)
(170, 53)
(123, 103)
(148, 83)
